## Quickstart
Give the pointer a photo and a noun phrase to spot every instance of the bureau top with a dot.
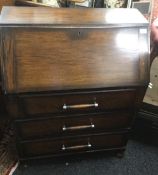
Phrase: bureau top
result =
(67, 17)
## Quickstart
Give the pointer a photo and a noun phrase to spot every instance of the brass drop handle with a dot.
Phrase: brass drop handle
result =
(64, 148)
(65, 128)
(80, 106)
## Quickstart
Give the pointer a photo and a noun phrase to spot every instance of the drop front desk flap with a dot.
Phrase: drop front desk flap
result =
(80, 72)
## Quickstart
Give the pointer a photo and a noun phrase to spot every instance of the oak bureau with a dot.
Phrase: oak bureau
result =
(73, 79)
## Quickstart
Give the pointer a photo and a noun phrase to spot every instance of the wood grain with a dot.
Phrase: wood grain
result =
(6, 3)
(48, 127)
(55, 146)
(51, 58)
(82, 55)
(7, 62)
(107, 100)
(76, 58)
(63, 17)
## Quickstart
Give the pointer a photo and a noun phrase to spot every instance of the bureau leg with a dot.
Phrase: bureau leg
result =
(120, 154)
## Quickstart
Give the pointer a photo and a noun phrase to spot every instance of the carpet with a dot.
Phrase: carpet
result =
(8, 156)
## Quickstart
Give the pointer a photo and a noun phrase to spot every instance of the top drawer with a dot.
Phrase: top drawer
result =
(78, 102)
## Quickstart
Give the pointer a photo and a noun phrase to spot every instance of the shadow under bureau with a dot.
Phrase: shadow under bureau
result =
(73, 79)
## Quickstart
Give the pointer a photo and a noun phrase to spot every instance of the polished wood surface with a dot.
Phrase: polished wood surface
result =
(74, 145)
(76, 71)
(61, 126)
(88, 60)
(97, 68)
(73, 82)
(106, 100)
(6, 3)
(63, 17)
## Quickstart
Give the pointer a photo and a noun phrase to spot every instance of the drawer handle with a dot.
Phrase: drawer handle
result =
(65, 128)
(80, 106)
(64, 148)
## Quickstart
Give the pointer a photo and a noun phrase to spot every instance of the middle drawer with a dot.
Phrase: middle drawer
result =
(48, 127)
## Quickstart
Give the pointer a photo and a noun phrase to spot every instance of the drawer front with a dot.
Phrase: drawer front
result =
(91, 143)
(42, 128)
(84, 102)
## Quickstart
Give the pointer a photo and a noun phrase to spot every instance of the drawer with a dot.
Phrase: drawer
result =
(73, 145)
(77, 102)
(42, 128)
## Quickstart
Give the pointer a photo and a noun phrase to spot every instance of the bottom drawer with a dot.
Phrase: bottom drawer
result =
(65, 146)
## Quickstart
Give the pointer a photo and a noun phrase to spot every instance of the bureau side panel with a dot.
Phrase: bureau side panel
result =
(8, 60)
